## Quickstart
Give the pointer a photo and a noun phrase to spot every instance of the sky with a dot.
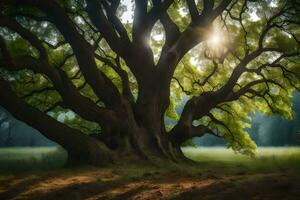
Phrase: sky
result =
(128, 15)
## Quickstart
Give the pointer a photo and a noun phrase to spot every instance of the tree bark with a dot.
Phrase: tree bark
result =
(131, 128)
(80, 147)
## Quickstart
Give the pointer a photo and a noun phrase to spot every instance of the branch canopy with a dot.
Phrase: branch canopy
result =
(126, 69)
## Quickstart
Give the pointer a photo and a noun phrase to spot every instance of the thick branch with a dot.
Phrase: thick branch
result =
(100, 21)
(122, 73)
(193, 35)
(101, 85)
(171, 29)
(27, 35)
(69, 93)
(76, 143)
(193, 9)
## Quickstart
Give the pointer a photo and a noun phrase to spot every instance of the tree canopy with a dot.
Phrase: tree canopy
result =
(94, 66)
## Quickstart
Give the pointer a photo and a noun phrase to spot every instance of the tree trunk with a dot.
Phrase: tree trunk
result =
(139, 135)
(81, 148)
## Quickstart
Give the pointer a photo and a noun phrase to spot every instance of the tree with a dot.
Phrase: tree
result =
(7, 124)
(255, 131)
(122, 79)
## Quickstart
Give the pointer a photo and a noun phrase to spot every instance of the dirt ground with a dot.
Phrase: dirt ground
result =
(148, 183)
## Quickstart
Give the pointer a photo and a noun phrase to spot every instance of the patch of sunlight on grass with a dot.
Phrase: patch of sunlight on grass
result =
(268, 159)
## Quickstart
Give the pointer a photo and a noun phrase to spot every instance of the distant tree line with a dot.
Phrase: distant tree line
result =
(16, 133)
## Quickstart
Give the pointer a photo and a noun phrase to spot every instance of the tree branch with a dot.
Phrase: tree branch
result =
(49, 127)
(69, 93)
(193, 8)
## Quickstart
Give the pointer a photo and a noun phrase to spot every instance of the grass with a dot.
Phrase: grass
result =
(268, 159)
(31, 158)
(219, 174)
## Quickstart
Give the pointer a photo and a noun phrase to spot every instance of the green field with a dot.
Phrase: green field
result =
(267, 159)
(34, 173)
(31, 158)
(283, 159)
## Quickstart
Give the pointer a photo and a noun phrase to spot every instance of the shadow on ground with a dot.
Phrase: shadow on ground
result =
(152, 184)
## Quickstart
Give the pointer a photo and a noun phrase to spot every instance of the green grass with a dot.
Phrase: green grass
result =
(267, 159)
(219, 173)
(31, 158)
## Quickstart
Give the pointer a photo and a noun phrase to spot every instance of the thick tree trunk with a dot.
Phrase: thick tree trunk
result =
(130, 128)
(139, 136)
(81, 148)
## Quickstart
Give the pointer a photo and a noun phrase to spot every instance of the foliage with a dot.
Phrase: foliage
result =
(245, 26)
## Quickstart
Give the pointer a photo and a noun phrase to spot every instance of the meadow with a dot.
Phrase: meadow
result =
(23, 159)
(219, 158)
(267, 159)
(218, 173)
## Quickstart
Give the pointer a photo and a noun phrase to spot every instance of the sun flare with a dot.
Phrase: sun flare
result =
(215, 39)
(216, 43)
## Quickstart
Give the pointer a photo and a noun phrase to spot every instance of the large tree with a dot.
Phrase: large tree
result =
(101, 83)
